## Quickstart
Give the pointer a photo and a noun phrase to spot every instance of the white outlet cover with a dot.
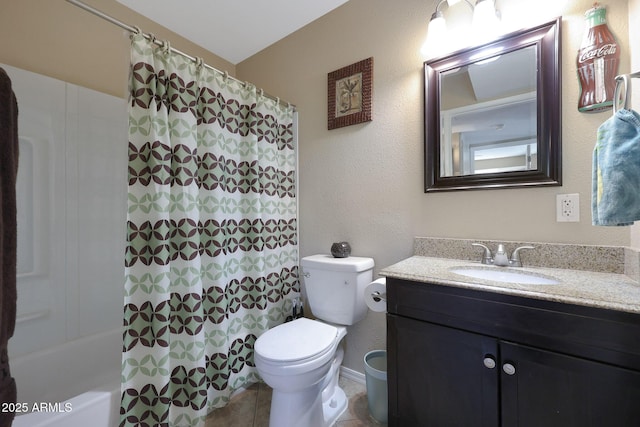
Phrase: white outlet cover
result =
(568, 207)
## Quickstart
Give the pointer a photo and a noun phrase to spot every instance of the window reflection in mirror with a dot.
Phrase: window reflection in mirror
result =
(488, 113)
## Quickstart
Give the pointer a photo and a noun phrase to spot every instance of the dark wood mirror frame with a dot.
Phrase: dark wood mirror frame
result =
(547, 39)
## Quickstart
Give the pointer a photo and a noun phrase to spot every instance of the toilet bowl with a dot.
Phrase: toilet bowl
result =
(300, 360)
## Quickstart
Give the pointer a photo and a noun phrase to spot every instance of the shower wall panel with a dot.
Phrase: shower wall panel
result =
(71, 194)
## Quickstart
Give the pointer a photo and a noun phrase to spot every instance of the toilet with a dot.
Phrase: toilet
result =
(300, 360)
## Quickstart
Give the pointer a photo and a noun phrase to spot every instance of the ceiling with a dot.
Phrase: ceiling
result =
(233, 29)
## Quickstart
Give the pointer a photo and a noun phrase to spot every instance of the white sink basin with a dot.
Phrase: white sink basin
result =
(501, 274)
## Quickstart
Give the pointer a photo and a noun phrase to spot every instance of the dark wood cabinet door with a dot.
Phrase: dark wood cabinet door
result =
(437, 376)
(555, 390)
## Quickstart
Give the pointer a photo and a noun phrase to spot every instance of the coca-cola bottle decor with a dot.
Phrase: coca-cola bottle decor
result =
(597, 61)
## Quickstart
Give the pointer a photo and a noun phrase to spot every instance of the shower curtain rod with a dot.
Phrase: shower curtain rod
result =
(133, 29)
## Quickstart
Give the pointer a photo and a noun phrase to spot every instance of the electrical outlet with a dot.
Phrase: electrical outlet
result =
(568, 207)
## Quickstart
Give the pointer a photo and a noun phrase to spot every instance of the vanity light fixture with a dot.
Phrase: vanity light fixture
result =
(484, 27)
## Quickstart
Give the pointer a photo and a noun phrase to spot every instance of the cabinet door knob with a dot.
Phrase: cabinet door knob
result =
(489, 362)
(509, 369)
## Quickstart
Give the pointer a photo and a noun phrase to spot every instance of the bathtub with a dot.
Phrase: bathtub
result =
(96, 408)
(76, 384)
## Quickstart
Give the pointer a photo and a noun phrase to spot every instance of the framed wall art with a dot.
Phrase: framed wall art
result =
(349, 94)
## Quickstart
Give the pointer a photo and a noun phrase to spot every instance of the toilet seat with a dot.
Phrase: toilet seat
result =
(296, 342)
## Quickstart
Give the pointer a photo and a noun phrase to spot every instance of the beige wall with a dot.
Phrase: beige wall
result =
(363, 183)
(59, 40)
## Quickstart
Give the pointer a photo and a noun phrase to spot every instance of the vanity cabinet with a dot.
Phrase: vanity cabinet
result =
(463, 357)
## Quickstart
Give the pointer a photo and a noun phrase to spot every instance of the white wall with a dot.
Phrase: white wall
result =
(364, 183)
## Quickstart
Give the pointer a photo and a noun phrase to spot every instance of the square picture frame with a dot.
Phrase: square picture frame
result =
(349, 94)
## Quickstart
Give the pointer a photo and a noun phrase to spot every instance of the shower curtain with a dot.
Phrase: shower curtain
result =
(211, 258)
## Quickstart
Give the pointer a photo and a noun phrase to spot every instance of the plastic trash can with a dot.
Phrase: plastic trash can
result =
(375, 369)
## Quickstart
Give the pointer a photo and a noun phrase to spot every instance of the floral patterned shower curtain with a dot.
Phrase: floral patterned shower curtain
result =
(211, 260)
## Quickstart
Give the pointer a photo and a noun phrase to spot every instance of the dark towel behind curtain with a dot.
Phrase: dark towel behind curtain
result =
(8, 236)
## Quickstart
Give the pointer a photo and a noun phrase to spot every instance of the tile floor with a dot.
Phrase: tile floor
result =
(251, 408)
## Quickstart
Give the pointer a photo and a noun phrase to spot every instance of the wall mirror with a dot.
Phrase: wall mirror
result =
(493, 114)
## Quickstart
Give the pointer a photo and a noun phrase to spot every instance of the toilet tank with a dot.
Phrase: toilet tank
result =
(335, 287)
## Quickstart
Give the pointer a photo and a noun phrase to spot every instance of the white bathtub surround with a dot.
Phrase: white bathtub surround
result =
(71, 195)
(70, 369)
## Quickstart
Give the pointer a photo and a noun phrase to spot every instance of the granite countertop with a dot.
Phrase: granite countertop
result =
(595, 289)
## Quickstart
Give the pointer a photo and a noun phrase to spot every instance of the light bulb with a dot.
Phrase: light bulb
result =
(485, 21)
(436, 36)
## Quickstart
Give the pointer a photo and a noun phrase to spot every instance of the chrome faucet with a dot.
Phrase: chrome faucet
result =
(501, 257)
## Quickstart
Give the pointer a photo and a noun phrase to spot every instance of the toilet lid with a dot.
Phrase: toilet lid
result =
(301, 339)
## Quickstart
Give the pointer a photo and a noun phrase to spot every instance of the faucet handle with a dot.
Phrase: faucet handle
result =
(487, 257)
(515, 256)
